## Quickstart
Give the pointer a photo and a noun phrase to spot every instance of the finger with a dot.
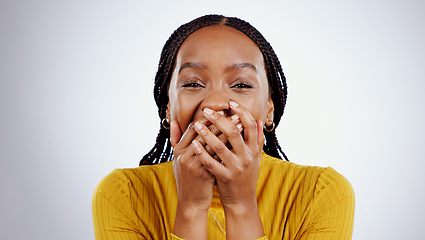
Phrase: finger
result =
(212, 165)
(175, 133)
(261, 137)
(180, 142)
(218, 146)
(186, 157)
(189, 163)
(227, 128)
(249, 124)
(216, 131)
(187, 137)
(221, 136)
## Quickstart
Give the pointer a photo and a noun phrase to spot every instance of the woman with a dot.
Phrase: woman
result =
(215, 171)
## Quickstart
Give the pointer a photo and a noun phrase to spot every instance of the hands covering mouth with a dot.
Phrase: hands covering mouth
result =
(228, 152)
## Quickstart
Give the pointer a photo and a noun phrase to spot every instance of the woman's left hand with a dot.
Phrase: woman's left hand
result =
(237, 174)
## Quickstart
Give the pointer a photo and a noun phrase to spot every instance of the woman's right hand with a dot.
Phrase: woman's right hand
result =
(194, 182)
(194, 186)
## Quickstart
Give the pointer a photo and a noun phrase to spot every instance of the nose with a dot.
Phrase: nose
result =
(217, 100)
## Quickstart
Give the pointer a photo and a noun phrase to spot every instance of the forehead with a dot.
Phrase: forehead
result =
(219, 43)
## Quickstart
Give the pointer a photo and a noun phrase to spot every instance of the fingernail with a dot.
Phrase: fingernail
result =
(236, 121)
(198, 126)
(239, 126)
(233, 104)
(234, 117)
(196, 145)
(208, 111)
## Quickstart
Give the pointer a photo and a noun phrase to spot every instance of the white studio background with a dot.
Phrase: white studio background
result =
(76, 102)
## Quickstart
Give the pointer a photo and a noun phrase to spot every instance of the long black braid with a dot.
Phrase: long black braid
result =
(162, 151)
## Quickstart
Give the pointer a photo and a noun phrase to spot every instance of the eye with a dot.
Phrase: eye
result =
(242, 85)
(191, 85)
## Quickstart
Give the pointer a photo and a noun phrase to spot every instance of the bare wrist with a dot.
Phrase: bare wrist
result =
(191, 223)
(191, 212)
(241, 209)
(243, 221)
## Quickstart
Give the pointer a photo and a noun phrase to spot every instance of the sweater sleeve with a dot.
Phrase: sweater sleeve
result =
(330, 215)
(111, 208)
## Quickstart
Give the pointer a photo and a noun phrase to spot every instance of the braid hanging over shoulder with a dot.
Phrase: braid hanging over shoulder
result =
(162, 151)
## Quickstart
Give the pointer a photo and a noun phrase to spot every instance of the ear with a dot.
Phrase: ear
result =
(270, 111)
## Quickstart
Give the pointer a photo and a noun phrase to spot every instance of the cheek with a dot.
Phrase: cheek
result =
(184, 110)
(258, 110)
(257, 106)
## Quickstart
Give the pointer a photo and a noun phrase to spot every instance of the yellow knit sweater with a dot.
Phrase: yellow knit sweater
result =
(294, 202)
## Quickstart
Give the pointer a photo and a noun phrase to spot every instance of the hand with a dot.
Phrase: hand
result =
(187, 167)
(194, 186)
(194, 182)
(237, 174)
(222, 137)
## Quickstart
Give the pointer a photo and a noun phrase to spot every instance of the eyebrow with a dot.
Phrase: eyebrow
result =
(241, 66)
(229, 68)
(191, 65)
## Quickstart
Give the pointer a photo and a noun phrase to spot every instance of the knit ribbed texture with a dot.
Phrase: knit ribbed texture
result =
(294, 202)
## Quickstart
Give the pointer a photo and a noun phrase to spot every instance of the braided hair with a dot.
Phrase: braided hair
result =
(162, 151)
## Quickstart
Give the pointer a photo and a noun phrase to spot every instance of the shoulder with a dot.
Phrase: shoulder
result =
(124, 181)
(335, 182)
(290, 172)
(127, 201)
(312, 179)
(313, 200)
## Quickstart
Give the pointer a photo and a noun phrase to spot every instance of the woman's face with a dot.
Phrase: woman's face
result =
(215, 65)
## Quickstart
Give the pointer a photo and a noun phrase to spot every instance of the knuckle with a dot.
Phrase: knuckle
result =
(226, 178)
(200, 154)
(217, 116)
(183, 162)
(246, 164)
(234, 133)
(212, 128)
(219, 148)
(239, 170)
(209, 165)
(200, 140)
(223, 138)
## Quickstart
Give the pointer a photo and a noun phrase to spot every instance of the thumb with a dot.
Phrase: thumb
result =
(260, 133)
(175, 133)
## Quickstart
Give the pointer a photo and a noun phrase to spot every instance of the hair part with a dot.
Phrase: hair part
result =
(162, 151)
